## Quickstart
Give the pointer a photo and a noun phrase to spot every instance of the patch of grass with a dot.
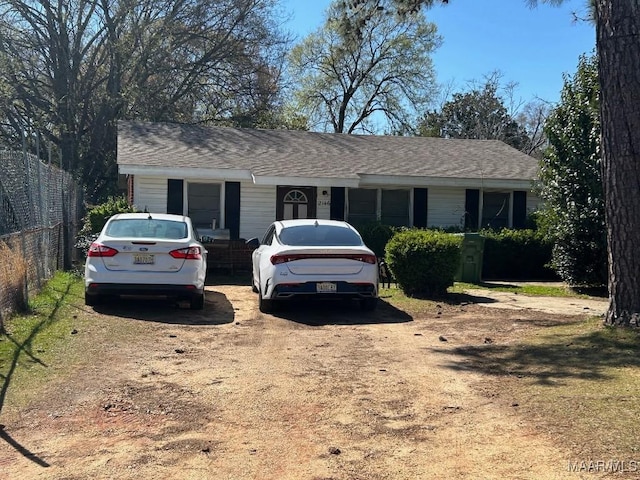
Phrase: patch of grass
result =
(525, 289)
(579, 381)
(398, 299)
(30, 342)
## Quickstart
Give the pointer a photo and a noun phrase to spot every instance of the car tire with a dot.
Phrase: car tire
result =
(197, 302)
(92, 299)
(368, 304)
(265, 305)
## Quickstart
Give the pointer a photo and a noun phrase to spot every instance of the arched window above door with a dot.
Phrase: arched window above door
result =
(295, 196)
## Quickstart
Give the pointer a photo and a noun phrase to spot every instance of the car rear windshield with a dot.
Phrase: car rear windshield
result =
(147, 228)
(319, 235)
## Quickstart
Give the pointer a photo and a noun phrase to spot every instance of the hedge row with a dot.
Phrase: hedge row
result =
(423, 262)
(516, 255)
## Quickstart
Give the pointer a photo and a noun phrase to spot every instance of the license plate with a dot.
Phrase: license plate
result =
(326, 287)
(143, 259)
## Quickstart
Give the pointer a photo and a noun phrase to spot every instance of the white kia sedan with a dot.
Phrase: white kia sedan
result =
(146, 254)
(313, 258)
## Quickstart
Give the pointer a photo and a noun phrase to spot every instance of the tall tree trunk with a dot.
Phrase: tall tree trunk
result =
(618, 45)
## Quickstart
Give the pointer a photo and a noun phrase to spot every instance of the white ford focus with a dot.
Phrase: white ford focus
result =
(314, 258)
(146, 254)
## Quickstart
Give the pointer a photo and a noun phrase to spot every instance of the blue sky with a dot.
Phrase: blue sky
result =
(531, 47)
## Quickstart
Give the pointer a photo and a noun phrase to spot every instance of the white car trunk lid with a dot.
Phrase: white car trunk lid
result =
(324, 261)
(144, 256)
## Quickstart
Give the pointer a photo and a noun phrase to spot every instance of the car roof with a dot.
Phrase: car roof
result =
(312, 221)
(155, 216)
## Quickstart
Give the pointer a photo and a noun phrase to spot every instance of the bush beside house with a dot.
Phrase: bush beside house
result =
(423, 262)
(376, 236)
(96, 217)
(517, 255)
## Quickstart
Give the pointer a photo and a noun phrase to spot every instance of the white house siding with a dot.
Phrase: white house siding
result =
(533, 202)
(445, 206)
(257, 209)
(150, 193)
(323, 203)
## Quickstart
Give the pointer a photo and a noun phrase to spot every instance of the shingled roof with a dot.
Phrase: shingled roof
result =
(255, 153)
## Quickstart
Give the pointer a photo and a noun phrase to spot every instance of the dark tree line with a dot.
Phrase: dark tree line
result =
(618, 54)
(70, 68)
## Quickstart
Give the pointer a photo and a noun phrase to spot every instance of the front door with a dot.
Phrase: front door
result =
(296, 202)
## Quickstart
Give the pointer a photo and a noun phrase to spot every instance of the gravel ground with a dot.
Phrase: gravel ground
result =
(315, 392)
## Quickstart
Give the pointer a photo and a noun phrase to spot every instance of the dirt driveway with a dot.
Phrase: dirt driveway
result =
(316, 392)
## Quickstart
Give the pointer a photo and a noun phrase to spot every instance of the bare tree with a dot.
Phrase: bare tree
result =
(71, 68)
(366, 64)
(532, 118)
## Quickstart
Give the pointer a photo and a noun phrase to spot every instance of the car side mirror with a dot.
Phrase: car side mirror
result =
(253, 243)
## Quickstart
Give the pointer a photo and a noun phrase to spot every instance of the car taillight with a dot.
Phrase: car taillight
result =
(189, 253)
(358, 257)
(99, 250)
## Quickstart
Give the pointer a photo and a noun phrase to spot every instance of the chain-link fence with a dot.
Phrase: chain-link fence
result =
(40, 209)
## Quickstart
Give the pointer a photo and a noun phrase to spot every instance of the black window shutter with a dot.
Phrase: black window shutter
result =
(175, 190)
(420, 207)
(232, 209)
(337, 203)
(519, 209)
(471, 208)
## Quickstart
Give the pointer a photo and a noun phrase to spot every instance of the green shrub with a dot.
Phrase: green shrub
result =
(517, 255)
(97, 216)
(423, 262)
(376, 236)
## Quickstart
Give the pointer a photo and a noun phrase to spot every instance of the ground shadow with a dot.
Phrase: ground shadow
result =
(465, 299)
(224, 278)
(217, 310)
(454, 299)
(25, 348)
(555, 359)
(20, 449)
(592, 291)
(338, 312)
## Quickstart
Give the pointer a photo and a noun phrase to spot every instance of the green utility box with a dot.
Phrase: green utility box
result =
(472, 250)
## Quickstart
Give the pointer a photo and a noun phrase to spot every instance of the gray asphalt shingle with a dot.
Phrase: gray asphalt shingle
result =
(309, 154)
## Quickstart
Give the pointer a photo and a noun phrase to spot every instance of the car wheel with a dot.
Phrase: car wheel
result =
(197, 302)
(368, 304)
(265, 305)
(92, 299)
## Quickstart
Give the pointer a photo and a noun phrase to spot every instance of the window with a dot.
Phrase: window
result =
(363, 205)
(147, 228)
(203, 200)
(295, 205)
(495, 210)
(395, 208)
(392, 209)
(319, 235)
(268, 236)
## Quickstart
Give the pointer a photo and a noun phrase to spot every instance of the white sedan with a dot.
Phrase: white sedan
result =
(146, 254)
(313, 258)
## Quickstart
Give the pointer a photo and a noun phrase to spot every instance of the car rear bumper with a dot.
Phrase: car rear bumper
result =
(309, 289)
(142, 289)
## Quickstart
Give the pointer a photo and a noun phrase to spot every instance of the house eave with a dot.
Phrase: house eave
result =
(362, 181)
(306, 181)
(415, 181)
(173, 172)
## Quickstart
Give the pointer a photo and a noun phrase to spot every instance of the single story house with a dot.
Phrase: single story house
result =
(238, 180)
